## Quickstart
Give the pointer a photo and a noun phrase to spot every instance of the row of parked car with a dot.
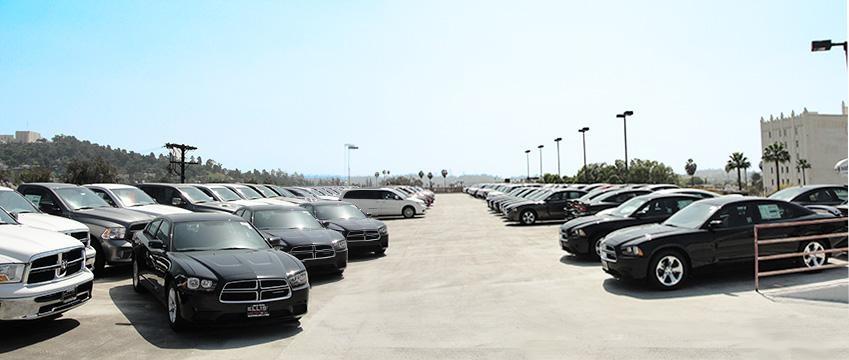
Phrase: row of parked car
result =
(662, 233)
(210, 252)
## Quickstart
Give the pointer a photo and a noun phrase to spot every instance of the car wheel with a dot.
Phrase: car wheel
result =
(528, 217)
(810, 258)
(595, 249)
(175, 319)
(136, 285)
(99, 258)
(408, 212)
(668, 270)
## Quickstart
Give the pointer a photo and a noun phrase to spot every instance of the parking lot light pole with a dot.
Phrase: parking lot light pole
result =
(557, 141)
(583, 132)
(540, 161)
(528, 162)
(826, 45)
(624, 117)
(348, 148)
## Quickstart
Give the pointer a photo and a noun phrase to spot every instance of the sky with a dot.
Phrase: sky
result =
(418, 85)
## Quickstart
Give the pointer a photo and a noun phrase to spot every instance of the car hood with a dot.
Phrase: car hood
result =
(228, 265)
(51, 222)
(218, 206)
(357, 224)
(639, 234)
(157, 209)
(20, 242)
(298, 237)
(588, 220)
(277, 201)
(116, 215)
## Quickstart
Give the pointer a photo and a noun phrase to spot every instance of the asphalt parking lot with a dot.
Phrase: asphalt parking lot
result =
(460, 283)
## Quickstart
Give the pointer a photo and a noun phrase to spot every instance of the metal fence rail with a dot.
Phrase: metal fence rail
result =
(795, 239)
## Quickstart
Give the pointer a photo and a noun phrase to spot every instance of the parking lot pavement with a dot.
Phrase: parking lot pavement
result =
(459, 283)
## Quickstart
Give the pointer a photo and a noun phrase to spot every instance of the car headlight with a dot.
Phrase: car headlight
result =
(383, 230)
(197, 284)
(11, 273)
(339, 244)
(632, 251)
(116, 232)
(581, 233)
(298, 279)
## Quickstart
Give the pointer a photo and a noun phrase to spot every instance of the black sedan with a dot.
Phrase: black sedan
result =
(706, 233)
(581, 235)
(831, 195)
(603, 201)
(217, 268)
(294, 230)
(360, 231)
(547, 205)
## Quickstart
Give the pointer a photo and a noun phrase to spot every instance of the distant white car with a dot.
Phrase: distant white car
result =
(133, 198)
(249, 193)
(42, 272)
(224, 194)
(385, 202)
(27, 214)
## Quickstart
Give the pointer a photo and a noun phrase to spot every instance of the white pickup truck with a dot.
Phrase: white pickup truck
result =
(26, 213)
(42, 273)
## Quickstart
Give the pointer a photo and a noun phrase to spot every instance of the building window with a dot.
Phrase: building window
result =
(797, 145)
(769, 133)
(796, 130)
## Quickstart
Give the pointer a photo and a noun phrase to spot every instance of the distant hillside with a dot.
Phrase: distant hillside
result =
(18, 162)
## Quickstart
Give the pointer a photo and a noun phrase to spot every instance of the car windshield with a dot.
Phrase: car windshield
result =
(266, 192)
(216, 235)
(248, 193)
(13, 202)
(693, 216)
(133, 197)
(282, 191)
(341, 211)
(628, 207)
(195, 196)
(6, 219)
(224, 193)
(541, 195)
(285, 219)
(787, 194)
(80, 198)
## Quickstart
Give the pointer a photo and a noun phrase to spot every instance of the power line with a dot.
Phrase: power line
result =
(182, 148)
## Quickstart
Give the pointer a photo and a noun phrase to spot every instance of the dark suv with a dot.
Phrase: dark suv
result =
(111, 229)
(187, 197)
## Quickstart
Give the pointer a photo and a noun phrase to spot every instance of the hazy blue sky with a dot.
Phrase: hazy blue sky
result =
(462, 85)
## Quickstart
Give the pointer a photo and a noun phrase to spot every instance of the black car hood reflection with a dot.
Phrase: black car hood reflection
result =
(356, 224)
(218, 206)
(231, 265)
(590, 220)
(640, 234)
(298, 237)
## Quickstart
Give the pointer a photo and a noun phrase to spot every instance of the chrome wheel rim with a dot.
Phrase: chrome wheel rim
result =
(172, 305)
(135, 274)
(598, 248)
(813, 260)
(669, 270)
(408, 212)
(528, 217)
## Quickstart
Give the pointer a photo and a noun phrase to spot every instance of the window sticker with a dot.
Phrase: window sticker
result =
(770, 212)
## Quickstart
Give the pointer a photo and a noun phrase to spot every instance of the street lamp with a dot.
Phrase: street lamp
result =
(624, 115)
(348, 148)
(583, 132)
(557, 141)
(540, 161)
(825, 45)
(528, 162)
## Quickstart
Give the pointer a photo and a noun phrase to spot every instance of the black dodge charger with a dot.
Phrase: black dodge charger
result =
(360, 231)
(711, 232)
(294, 230)
(217, 268)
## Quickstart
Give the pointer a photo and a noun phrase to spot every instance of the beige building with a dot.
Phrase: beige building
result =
(7, 139)
(26, 137)
(821, 139)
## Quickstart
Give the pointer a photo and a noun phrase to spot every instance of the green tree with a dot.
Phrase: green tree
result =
(737, 161)
(690, 167)
(84, 171)
(38, 174)
(802, 164)
(778, 154)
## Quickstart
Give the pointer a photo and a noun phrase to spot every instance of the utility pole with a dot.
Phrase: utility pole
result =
(557, 141)
(182, 148)
(583, 132)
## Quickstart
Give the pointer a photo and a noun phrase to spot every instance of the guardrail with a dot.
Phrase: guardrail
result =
(795, 239)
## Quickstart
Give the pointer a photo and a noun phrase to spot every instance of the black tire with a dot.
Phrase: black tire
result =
(178, 324)
(408, 212)
(137, 287)
(813, 261)
(99, 258)
(666, 280)
(528, 217)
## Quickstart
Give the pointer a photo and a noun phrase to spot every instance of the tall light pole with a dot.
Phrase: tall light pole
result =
(348, 148)
(540, 161)
(528, 162)
(825, 45)
(557, 141)
(583, 132)
(624, 117)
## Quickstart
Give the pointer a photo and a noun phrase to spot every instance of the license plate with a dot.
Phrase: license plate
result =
(257, 310)
(604, 265)
(68, 296)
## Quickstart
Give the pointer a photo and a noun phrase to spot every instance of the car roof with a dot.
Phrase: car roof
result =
(328, 202)
(658, 195)
(169, 184)
(52, 185)
(723, 200)
(189, 217)
(110, 186)
(272, 207)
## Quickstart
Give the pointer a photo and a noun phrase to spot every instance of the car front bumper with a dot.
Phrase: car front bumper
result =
(119, 251)
(339, 261)
(22, 302)
(90, 255)
(575, 244)
(382, 242)
(626, 268)
(205, 308)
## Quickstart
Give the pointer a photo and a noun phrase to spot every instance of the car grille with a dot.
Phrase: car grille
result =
(82, 236)
(357, 235)
(56, 266)
(133, 229)
(252, 291)
(608, 253)
(312, 252)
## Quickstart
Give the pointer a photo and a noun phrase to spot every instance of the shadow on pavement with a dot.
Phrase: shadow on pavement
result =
(147, 316)
(359, 256)
(324, 278)
(728, 281)
(17, 335)
(575, 260)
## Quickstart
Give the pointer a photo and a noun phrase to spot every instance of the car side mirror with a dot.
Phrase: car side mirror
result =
(176, 201)
(156, 244)
(713, 224)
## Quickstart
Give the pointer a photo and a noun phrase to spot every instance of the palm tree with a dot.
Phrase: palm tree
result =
(421, 176)
(737, 161)
(803, 164)
(444, 174)
(430, 178)
(777, 153)
(376, 178)
(690, 167)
